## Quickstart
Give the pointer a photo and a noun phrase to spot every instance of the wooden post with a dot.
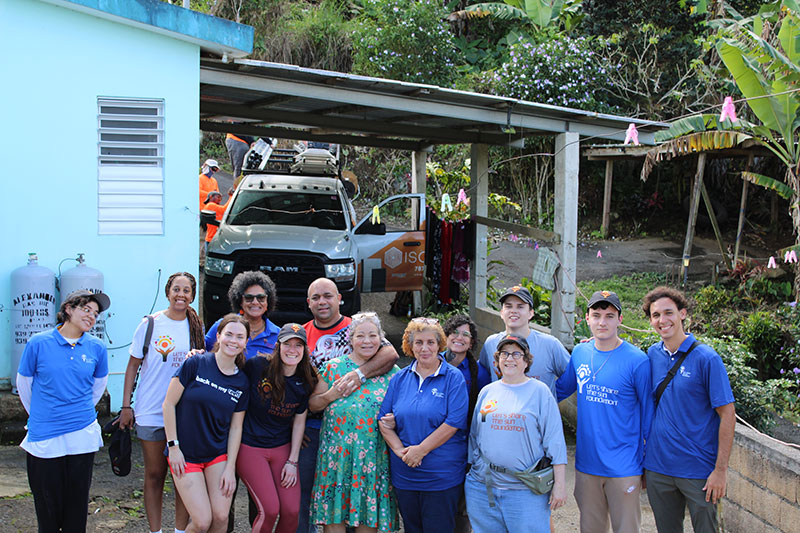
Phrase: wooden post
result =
(694, 205)
(713, 217)
(604, 228)
(742, 208)
(418, 185)
(479, 205)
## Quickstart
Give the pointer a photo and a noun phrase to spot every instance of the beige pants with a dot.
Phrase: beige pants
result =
(601, 497)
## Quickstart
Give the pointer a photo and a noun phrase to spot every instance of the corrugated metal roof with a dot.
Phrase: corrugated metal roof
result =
(274, 99)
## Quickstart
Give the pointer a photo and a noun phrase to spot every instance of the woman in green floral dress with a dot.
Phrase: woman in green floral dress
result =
(352, 484)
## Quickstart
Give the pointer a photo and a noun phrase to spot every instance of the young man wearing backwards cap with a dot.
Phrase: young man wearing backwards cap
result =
(615, 409)
(550, 358)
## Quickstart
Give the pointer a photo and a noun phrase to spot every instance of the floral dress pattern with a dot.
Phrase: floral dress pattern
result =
(352, 483)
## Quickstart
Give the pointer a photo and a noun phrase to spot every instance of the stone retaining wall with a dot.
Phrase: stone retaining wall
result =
(763, 486)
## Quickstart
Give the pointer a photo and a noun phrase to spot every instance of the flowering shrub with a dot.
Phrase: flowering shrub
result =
(408, 41)
(563, 71)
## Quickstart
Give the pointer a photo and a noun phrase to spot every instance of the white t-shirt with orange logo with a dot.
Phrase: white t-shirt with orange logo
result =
(168, 348)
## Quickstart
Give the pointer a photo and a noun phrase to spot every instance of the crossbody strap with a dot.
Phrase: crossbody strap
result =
(672, 371)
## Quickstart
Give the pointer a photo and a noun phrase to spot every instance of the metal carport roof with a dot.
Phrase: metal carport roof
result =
(286, 101)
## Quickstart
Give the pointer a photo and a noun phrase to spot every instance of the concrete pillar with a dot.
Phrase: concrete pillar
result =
(418, 185)
(562, 314)
(479, 205)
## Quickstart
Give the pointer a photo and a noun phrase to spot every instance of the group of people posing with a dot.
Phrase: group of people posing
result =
(323, 428)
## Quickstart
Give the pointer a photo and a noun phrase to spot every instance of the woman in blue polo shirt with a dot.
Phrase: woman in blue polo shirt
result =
(462, 334)
(423, 419)
(203, 414)
(280, 386)
(61, 376)
(252, 295)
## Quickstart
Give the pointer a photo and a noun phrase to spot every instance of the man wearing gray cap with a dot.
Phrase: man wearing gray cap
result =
(615, 409)
(550, 358)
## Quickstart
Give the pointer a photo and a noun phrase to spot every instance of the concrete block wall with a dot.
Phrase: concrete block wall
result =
(763, 486)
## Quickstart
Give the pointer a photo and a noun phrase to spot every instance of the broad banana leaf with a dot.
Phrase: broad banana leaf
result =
(780, 188)
(541, 13)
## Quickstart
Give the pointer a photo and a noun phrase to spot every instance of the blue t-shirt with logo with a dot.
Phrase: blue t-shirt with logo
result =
(684, 438)
(615, 408)
(204, 412)
(419, 409)
(268, 425)
(63, 375)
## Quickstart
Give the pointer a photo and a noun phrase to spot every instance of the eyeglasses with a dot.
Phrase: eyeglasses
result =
(89, 311)
(250, 297)
(513, 355)
(427, 321)
(465, 334)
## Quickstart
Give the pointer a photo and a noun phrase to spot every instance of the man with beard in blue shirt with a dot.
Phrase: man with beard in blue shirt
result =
(615, 408)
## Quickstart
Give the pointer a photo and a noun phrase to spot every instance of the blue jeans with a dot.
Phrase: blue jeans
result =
(307, 465)
(431, 511)
(514, 510)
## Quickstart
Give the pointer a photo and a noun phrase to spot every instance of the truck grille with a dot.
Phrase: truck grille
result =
(295, 271)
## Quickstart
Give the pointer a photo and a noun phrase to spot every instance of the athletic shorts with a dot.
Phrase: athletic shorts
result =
(199, 467)
(150, 433)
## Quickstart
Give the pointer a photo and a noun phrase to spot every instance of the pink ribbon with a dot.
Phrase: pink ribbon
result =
(599, 255)
(632, 135)
(462, 198)
(728, 110)
(771, 263)
(790, 257)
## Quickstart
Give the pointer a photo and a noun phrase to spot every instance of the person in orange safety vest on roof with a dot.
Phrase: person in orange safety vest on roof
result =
(207, 182)
(237, 146)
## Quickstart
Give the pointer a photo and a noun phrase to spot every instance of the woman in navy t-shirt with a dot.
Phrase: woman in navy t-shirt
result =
(280, 385)
(203, 415)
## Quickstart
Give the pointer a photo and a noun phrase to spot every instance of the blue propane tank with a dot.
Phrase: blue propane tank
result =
(33, 294)
(83, 277)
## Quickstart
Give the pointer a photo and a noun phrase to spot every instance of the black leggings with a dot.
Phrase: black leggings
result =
(60, 488)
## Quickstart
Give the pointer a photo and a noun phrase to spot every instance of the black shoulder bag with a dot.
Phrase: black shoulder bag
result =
(672, 371)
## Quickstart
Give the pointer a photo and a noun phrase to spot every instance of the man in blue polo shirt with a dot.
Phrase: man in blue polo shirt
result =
(615, 408)
(692, 433)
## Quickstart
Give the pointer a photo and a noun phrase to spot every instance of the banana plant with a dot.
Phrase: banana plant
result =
(540, 13)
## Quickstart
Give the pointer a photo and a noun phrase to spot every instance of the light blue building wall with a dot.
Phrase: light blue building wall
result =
(56, 62)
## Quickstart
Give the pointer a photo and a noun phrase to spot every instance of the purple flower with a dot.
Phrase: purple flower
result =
(783, 371)
(796, 370)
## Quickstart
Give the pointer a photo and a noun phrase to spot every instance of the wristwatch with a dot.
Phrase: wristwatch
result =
(361, 375)
(171, 443)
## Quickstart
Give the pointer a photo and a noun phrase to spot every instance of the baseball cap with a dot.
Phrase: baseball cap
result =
(515, 339)
(605, 296)
(292, 330)
(520, 292)
(119, 448)
(102, 299)
(212, 163)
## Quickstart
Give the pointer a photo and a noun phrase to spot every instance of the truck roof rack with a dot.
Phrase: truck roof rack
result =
(316, 161)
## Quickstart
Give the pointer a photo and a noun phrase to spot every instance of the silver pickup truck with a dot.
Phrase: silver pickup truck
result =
(298, 227)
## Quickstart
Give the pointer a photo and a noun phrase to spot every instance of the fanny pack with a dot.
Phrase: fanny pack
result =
(538, 478)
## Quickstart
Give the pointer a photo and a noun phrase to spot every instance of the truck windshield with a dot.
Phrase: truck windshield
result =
(287, 208)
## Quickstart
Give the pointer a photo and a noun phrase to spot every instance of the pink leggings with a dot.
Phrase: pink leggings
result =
(260, 469)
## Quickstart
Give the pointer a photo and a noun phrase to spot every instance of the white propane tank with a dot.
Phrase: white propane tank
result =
(83, 277)
(33, 294)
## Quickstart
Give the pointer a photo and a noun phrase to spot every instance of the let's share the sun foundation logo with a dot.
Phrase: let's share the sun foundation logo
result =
(490, 407)
(164, 345)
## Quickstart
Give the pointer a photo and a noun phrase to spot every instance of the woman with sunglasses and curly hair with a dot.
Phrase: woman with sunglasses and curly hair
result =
(252, 294)
(175, 331)
(280, 385)
(424, 420)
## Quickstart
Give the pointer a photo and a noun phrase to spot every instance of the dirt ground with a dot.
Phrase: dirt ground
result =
(115, 503)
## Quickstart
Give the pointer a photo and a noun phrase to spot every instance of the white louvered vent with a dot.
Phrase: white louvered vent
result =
(130, 166)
